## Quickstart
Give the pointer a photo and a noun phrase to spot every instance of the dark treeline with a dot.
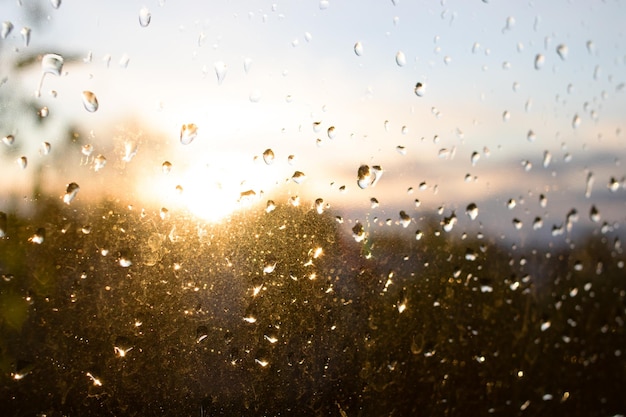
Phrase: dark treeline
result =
(123, 312)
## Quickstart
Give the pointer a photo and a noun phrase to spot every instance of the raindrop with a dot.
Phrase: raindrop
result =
(270, 206)
(594, 214)
(70, 192)
(22, 162)
(547, 158)
(531, 136)
(90, 101)
(122, 346)
(562, 50)
(576, 121)
(247, 64)
(124, 261)
(506, 116)
(613, 185)
(130, 150)
(472, 211)
(405, 219)
(291, 159)
(367, 176)
(374, 202)
(220, 71)
(401, 150)
(43, 112)
(8, 140)
(537, 223)
(6, 29)
(317, 126)
(323, 4)
(539, 61)
(319, 205)
(358, 49)
(255, 96)
(124, 60)
(268, 156)
(144, 17)
(202, 332)
(543, 200)
(517, 223)
(400, 59)
(419, 235)
(99, 162)
(25, 32)
(419, 89)
(475, 157)
(448, 222)
(45, 148)
(166, 167)
(3, 224)
(298, 177)
(511, 204)
(331, 132)
(358, 233)
(55, 3)
(470, 255)
(38, 237)
(188, 133)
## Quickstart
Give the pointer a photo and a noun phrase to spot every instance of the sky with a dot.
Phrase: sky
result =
(491, 71)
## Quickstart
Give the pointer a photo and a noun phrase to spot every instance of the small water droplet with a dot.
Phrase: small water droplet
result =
(576, 121)
(291, 159)
(324, 4)
(540, 60)
(125, 261)
(220, 71)
(358, 233)
(298, 177)
(55, 3)
(531, 136)
(472, 211)
(122, 346)
(8, 140)
(6, 29)
(247, 64)
(419, 89)
(613, 184)
(166, 167)
(255, 96)
(358, 49)
(202, 332)
(506, 116)
(400, 59)
(405, 219)
(38, 237)
(319, 205)
(562, 50)
(25, 32)
(144, 17)
(511, 204)
(45, 148)
(188, 133)
(547, 158)
(543, 201)
(448, 223)
(517, 223)
(99, 162)
(3, 224)
(537, 223)
(70, 192)
(474, 158)
(22, 162)
(43, 112)
(270, 206)
(594, 214)
(268, 156)
(90, 101)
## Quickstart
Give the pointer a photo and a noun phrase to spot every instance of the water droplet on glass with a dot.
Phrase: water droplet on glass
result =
(124, 60)
(291, 159)
(188, 133)
(144, 17)
(323, 4)
(166, 167)
(202, 332)
(537, 223)
(472, 211)
(298, 177)
(6, 29)
(122, 346)
(3, 224)
(124, 261)
(547, 158)
(367, 176)
(270, 206)
(45, 148)
(401, 150)
(319, 206)
(562, 50)
(594, 214)
(511, 204)
(539, 61)
(576, 121)
(419, 89)
(130, 150)
(613, 185)
(220, 71)
(358, 49)
(255, 96)
(99, 162)
(55, 3)
(517, 223)
(400, 59)
(38, 237)
(331, 132)
(90, 101)
(543, 200)
(70, 192)
(8, 140)
(531, 136)
(22, 162)
(448, 223)
(25, 32)
(358, 233)
(405, 219)
(268, 156)
(506, 116)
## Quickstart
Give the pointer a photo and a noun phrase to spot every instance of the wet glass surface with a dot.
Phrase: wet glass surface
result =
(322, 208)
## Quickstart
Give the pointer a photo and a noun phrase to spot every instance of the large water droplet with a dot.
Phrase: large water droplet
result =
(70, 192)
(144, 17)
(539, 61)
(419, 89)
(367, 176)
(400, 59)
(220, 71)
(90, 101)
(188, 133)
(268, 156)
(6, 29)
(358, 49)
